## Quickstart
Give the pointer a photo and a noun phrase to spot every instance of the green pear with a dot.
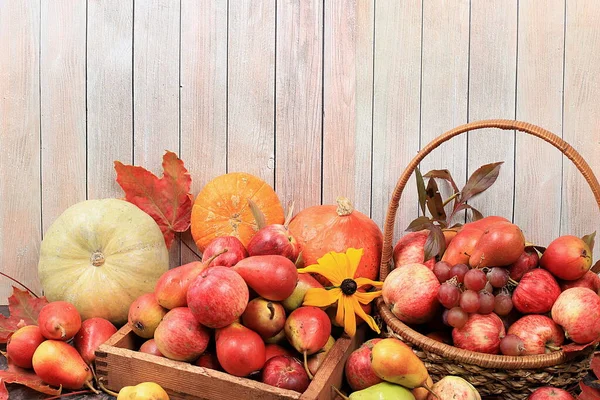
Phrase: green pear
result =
(383, 391)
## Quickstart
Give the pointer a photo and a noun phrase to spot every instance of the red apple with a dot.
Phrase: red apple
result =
(590, 280)
(234, 251)
(410, 249)
(286, 373)
(527, 261)
(180, 337)
(149, 347)
(577, 310)
(550, 393)
(481, 333)
(567, 257)
(209, 360)
(453, 387)
(358, 370)
(536, 292)
(411, 293)
(539, 333)
(274, 239)
(22, 344)
(217, 297)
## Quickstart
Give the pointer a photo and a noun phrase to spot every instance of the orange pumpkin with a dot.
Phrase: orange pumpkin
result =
(321, 229)
(221, 208)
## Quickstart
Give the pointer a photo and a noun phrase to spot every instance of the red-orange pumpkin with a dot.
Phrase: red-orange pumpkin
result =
(324, 228)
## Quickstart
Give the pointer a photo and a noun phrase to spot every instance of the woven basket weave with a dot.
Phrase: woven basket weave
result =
(493, 375)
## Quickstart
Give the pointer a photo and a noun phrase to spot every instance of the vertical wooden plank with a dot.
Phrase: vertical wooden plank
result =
(63, 99)
(539, 101)
(444, 87)
(251, 80)
(299, 101)
(492, 95)
(20, 214)
(580, 214)
(156, 87)
(203, 95)
(348, 101)
(396, 105)
(109, 94)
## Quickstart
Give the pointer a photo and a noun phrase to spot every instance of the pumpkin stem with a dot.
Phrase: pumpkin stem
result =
(97, 259)
(290, 212)
(344, 206)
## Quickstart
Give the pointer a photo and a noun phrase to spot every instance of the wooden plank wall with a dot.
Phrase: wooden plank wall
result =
(321, 98)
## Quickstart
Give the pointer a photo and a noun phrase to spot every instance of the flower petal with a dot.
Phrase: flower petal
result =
(365, 281)
(354, 256)
(319, 297)
(339, 315)
(349, 318)
(366, 298)
(328, 267)
(366, 317)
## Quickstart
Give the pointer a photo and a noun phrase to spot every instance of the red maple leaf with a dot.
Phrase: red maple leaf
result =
(595, 365)
(167, 200)
(25, 377)
(588, 393)
(24, 310)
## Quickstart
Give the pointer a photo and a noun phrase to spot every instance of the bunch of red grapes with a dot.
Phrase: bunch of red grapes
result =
(465, 291)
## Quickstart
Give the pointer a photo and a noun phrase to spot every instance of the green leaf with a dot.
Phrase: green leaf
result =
(435, 243)
(435, 204)
(442, 174)
(421, 189)
(589, 240)
(258, 215)
(419, 224)
(480, 180)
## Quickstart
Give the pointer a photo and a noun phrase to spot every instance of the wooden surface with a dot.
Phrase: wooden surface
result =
(321, 98)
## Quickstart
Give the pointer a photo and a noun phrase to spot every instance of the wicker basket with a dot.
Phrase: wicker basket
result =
(493, 375)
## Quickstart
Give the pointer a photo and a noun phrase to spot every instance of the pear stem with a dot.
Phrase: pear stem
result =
(212, 258)
(92, 388)
(424, 386)
(342, 395)
(105, 389)
(310, 375)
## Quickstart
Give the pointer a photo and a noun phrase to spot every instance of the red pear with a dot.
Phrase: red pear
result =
(272, 277)
(234, 251)
(59, 320)
(218, 297)
(149, 347)
(180, 337)
(171, 288)
(462, 245)
(308, 329)
(264, 317)
(58, 363)
(393, 361)
(240, 350)
(22, 344)
(314, 362)
(145, 314)
(502, 243)
(272, 350)
(93, 332)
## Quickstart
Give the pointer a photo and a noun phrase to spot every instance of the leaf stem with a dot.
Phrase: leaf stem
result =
(449, 199)
(26, 288)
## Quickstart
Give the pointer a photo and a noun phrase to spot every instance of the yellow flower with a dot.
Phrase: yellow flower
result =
(339, 269)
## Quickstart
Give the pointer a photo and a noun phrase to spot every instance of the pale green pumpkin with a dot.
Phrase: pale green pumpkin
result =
(100, 255)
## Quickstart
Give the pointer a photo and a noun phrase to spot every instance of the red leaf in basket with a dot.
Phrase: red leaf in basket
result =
(588, 393)
(27, 378)
(167, 200)
(3, 391)
(24, 310)
(574, 347)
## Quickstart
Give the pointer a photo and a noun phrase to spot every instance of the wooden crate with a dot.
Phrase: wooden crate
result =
(118, 365)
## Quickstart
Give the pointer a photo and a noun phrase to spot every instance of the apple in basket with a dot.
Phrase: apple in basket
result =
(453, 387)
(481, 333)
(577, 310)
(539, 333)
(550, 393)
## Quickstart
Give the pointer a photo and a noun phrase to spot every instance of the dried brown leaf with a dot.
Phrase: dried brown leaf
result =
(442, 174)
(421, 190)
(480, 180)
(434, 202)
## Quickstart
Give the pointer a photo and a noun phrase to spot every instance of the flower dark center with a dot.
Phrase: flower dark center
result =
(348, 287)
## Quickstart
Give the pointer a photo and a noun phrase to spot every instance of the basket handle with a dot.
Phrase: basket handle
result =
(531, 129)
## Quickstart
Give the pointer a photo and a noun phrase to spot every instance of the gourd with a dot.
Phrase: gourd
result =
(324, 228)
(222, 208)
(100, 255)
